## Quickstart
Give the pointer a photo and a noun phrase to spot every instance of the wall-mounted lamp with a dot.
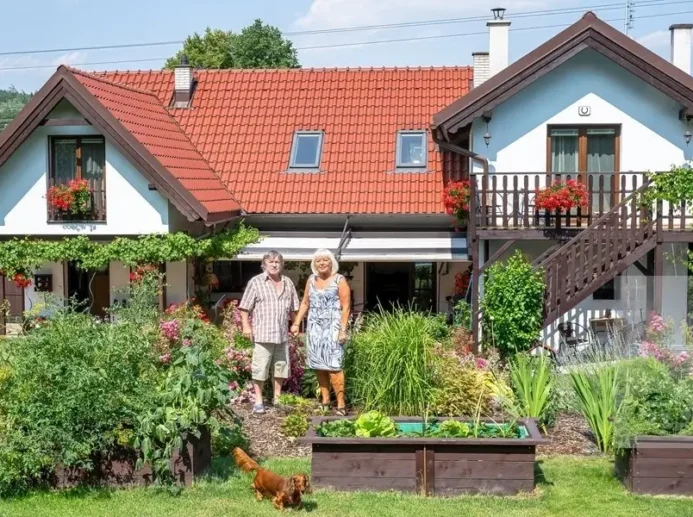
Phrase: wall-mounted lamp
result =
(487, 136)
(687, 136)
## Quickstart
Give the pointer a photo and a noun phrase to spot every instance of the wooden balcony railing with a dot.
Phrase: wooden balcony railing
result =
(95, 213)
(507, 200)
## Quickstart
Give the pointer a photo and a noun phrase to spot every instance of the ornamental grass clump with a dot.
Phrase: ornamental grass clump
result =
(389, 364)
(532, 381)
(599, 393)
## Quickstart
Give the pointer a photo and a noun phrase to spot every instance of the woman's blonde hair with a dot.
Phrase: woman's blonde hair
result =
(322, 252)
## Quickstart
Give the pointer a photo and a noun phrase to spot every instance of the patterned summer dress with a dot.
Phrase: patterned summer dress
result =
(322, 332)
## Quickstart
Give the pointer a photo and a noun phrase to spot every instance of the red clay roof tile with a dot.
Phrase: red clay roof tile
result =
(146, 118)
(242, 123)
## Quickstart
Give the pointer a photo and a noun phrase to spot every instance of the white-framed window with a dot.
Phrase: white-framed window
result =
(411, 150)
(306, 150)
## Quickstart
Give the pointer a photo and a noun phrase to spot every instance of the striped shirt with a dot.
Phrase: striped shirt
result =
(270, 310)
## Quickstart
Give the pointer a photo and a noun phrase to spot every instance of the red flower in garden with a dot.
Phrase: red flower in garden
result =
(21, 280)
(462, 282)
(561, 196)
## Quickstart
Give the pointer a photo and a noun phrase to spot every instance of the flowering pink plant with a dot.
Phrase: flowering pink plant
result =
(657, 345)
(170, 329)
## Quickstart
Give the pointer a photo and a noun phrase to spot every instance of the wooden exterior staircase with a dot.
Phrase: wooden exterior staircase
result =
(597, 254)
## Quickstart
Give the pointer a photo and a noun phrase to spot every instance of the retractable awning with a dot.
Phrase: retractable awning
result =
(364, 246)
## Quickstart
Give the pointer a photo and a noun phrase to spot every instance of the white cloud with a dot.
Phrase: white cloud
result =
(655, 40)
(70, 58)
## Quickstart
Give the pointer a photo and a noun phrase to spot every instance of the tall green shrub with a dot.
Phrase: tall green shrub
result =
(389, 367)
(512, 305)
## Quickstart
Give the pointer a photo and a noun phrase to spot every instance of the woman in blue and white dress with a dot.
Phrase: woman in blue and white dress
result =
(327, 300)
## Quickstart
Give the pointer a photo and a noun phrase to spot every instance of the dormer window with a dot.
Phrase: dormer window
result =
(411, 150)
(306, 150)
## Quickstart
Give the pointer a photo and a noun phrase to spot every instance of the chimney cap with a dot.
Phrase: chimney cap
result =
(498, 13)
(480, 53)
(184, 60)
(681, 26)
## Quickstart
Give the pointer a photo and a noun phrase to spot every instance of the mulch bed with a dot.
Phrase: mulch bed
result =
(265, 433)
(570, 435)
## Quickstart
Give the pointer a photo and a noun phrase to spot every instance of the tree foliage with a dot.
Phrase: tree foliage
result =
(11, 102)
(256, 46)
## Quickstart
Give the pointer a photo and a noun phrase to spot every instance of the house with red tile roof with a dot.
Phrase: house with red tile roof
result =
(356, 160)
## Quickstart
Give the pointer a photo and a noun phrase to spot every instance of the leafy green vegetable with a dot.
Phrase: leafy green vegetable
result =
(336, 429)
(374, 424)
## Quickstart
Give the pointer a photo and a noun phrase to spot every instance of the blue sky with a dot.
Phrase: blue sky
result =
(61, 24)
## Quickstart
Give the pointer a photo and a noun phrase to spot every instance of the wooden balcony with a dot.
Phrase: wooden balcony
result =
(505, 202)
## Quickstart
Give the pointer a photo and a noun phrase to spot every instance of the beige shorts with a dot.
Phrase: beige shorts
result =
(270, 354)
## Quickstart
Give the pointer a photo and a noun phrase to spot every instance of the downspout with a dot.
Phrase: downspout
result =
(473, 241)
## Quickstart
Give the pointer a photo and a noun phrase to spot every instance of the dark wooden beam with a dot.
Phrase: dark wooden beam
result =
(65, 122)
(643, 269)
(528, 234)
(649, 283)
(658, 278)
(498, 254)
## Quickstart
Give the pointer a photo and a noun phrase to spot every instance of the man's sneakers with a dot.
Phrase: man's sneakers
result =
(258, 409)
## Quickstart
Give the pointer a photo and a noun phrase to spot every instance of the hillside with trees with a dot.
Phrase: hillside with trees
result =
(11, 102)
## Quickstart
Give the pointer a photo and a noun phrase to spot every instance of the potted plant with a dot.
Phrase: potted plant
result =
(456, 200)
(73, 198)
(561, 195)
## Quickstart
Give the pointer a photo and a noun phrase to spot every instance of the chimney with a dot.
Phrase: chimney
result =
(497, 41)
(681, 45)
(183, 86)
(480, 64)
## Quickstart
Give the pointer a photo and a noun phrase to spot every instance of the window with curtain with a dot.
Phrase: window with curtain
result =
(424, 286)
(78, 158)
(581, 151)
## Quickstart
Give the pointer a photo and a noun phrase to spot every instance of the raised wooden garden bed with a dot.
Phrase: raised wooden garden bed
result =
(430, 466)
(118, 469)
(658, 465)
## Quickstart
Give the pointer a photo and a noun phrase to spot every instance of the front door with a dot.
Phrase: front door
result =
(11, 304)
(392, 284)
(89, 289)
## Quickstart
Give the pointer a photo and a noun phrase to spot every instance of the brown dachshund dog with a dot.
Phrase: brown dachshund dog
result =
(283, 491)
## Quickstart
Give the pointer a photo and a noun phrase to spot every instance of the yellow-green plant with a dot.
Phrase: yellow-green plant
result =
(533, 383)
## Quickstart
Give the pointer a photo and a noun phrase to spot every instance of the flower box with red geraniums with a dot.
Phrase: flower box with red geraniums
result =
(456, 200)
(561, 196)
(72, 198)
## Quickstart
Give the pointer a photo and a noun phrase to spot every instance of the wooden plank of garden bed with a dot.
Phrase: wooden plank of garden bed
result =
(672, 486)
(487, 452)
(363, 483)
(463, 469)
(488, 486)
(663, 467)
(380, 466)
(665, 452)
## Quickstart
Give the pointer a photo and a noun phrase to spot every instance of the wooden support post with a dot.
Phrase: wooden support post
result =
(658, 262)
(476, 331)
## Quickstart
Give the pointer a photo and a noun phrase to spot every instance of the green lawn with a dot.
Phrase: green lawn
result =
(570, 487)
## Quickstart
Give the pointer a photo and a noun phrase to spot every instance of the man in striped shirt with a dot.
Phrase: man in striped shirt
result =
(272, 301)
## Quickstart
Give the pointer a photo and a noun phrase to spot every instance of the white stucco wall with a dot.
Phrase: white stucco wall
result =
(131, 207)
(651, 132)
(32, 297)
